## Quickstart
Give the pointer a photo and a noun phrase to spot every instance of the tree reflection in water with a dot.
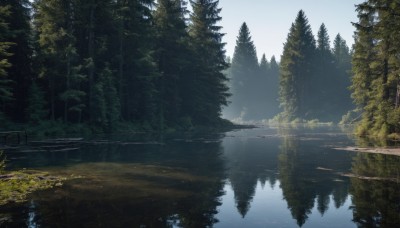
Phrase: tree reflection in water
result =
(376, 190)
(180, 183)
(249, 160)
(175, 183)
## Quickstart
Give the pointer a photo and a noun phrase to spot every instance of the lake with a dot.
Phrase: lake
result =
(262, 177)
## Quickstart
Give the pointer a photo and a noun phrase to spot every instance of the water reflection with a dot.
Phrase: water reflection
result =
(376, 190)
(249, 160)
(174, 183)
(309, 174)
(248, 178)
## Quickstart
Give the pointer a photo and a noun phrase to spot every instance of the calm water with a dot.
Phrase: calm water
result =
(247, 178)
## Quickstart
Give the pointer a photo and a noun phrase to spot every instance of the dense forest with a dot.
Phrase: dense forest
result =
(314, 77)
(311, 82)
(254, 85)
(376, 82)
(103, 62)
(156, 65)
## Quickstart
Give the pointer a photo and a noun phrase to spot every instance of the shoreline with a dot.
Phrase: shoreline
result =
(372, 150)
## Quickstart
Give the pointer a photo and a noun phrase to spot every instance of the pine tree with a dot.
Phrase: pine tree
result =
(172, 56)
(375, 66)
(323, 85)
(55, 25)
(245, 76)
(342, 59)
(36, 110)
(296, 70)
(94, 32)
(135, 64)
(363, 55)
(5, 90)
(273, 88)
(323, 43)
(209, 89)
(264, 65)
(106, 101)
(20, 72)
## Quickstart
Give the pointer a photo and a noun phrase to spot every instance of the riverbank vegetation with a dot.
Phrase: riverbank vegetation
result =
(376, 82)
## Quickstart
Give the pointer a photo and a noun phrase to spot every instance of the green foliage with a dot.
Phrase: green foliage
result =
(314, 79)
(20, 70)
(375, 84)
(172, 55)
(296, 68)
(383, 191)
(350, 117)
(106, 101)
(135, 68)
(100, 62)
(253, 85)
(37, 109)
(208, 83)
(5, 45)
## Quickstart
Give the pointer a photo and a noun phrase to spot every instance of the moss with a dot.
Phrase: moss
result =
(16, 186)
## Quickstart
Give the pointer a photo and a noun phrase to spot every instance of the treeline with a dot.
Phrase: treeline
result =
(101, 62)
(376, 67)
(254, 84)
(311, 82)
(314, 78)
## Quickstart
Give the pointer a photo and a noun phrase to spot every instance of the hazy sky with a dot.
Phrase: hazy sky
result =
(269, 20)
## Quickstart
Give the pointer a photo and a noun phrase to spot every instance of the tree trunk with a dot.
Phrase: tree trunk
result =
(91, 58)
(121, 56)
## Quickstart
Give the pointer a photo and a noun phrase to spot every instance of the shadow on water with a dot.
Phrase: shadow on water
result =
(187, 181)
(376, 191)
(173, 182)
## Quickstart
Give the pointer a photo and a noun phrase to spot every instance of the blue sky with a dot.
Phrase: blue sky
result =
(269, 20)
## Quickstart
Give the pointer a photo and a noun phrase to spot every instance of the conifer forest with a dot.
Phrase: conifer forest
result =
(103, 64)
(200, 113)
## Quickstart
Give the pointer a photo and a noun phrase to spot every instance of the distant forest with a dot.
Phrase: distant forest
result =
(103, 64)
(311, 82)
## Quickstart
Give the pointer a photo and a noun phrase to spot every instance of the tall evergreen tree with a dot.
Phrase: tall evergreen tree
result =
(55, 25)
(172, 56)
(244, 75)
(324, 78)
(20, 71)
(296, 70)
(264, 65)
(209, 89)
(106, 101)
(5, 90)
(342, 59)
(273, 88)
(136, 65)
(323, 43)
(36, 110)
(375, 66)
